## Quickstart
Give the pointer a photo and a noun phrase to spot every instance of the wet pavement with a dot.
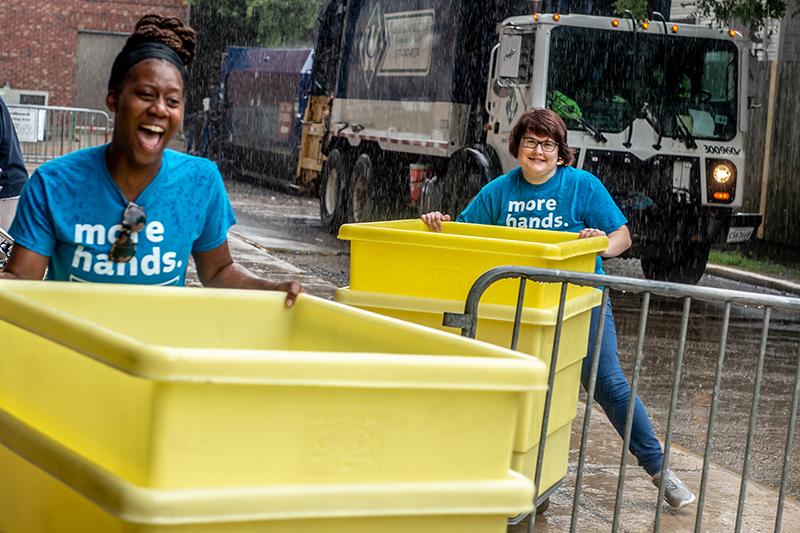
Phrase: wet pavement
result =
(637, 512)
(280, 236)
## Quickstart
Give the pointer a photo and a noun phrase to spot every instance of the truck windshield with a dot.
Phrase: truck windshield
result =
(614, 77)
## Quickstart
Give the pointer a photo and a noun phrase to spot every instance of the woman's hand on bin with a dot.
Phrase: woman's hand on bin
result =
(434, 220)
(619, 240)
(216, 268)
(591, 232)
(291, 288)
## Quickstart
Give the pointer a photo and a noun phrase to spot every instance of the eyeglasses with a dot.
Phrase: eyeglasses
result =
(133, 220)
(531, 144)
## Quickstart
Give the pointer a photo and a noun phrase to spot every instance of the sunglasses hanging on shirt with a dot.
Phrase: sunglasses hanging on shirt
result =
(133, 220)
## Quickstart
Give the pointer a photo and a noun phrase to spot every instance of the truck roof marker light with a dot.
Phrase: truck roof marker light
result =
(732, 33)
(556, 17)
(536, 17)
(645, 24)
(674, 28)
(615, 23)
(722, 196)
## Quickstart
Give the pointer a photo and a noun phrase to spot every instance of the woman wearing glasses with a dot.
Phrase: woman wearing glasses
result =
(545, 192)
(133, 211)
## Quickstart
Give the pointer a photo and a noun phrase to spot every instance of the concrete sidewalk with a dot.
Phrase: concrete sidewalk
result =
(258, 260)
(638, 505)
(752, 278)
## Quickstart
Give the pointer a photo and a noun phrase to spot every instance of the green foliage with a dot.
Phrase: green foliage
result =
(284, 22)
(751, 13)
(637, 7)
(275, 22)
(223, 23)
(759, 265)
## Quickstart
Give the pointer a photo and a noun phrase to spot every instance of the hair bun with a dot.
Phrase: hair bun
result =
(170, 31)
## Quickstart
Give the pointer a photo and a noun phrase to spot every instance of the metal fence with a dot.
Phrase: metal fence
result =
(5, 247)
(47, 132)
(467, 322)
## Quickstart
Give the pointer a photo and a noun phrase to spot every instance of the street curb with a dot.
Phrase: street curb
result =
(753, 278)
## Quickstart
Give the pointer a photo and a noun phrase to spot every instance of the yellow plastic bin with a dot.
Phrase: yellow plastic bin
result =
(177, 387)
(495, 325)
(405, 257)
(47, 488)
(554, 462)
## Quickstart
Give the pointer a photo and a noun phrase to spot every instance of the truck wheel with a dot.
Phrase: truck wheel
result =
(431, 196)
(468, 171)
(332, 191)
(361, 193)
(687, 265)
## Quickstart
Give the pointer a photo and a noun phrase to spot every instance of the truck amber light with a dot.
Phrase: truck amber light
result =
(732, 33)
(722, 196)
(615, 23)
(722, 173)
(536, 17)
(556, 17)
(645, 24)
(674, 28)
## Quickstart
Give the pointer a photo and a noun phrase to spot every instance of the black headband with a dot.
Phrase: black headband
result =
(130, 55)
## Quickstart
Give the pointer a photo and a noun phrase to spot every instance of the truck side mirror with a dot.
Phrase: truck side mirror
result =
(502, 88)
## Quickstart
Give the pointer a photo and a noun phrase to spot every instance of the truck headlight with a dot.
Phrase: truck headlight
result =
(720, 181)
(722, 172)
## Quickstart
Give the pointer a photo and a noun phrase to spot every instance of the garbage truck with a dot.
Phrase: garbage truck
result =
(411, 102)
(253, 121)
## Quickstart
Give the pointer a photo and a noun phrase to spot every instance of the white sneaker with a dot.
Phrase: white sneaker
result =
(676, 494)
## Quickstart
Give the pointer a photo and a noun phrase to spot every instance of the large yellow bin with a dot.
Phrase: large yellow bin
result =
(495, 325)
(176, 387)
(405, 257)
(554, 462)
(47, 488)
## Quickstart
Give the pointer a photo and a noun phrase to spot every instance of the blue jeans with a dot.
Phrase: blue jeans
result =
(612, 392)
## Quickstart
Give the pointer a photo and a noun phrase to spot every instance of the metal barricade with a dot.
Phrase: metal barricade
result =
(467, 322)
(6, 243)
(47, 132)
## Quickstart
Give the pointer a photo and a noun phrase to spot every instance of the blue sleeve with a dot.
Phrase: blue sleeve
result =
(219, 216)
(33, 225)
(479, 210)
(13, 173)
(601, 211)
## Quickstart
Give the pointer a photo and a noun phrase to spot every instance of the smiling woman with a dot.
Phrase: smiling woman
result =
(133, 211)
(546, 192)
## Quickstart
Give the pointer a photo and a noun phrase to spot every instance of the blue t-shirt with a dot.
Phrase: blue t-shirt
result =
(570, 200)
(71, 208)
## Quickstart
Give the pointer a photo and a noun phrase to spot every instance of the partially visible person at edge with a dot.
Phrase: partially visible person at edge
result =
(133, 211)
(13, 174)
(546, 187)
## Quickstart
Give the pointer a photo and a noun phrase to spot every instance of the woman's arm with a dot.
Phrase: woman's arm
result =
(216, 268)
(619, 240)
(25, 264)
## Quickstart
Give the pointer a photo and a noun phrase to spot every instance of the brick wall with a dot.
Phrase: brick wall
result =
(38, 41)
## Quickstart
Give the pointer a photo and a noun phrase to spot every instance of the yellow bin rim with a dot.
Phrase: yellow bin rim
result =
(534, 316)
(135, 504)
(545, 244)
(483, 366)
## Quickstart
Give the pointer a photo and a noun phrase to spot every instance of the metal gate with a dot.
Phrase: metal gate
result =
(467, 322)
(47, 132)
